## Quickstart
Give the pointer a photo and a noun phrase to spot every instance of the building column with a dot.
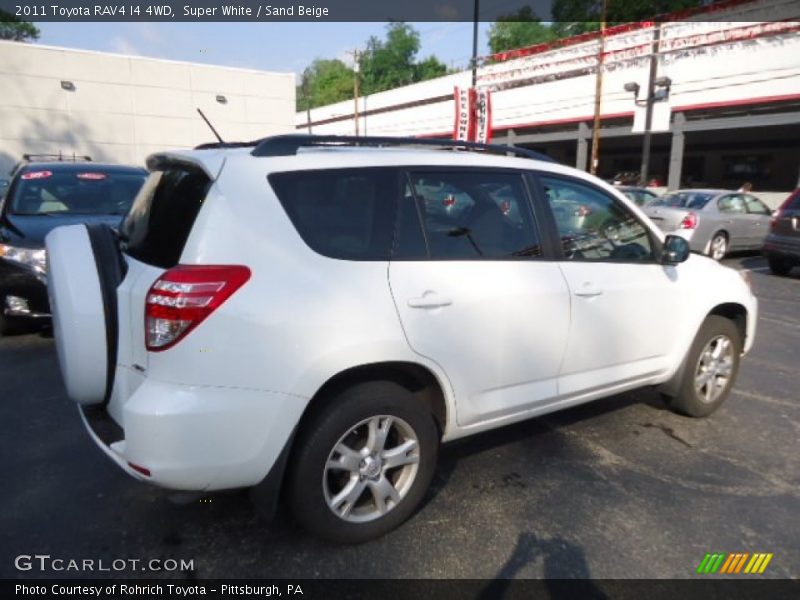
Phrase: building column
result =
(582, 153)
(676, 152)
(510, 137)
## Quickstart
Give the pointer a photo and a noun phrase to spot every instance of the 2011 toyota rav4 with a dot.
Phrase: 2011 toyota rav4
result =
(298, 315)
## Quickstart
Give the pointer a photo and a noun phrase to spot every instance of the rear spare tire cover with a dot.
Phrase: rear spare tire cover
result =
(83, 272)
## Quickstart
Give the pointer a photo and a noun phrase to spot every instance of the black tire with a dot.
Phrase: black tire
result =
(309, 483)
(723, 238)
(10, 325)
(779, 266)
(689, 400)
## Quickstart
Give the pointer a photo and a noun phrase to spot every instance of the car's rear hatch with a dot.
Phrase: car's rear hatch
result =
(153, 236)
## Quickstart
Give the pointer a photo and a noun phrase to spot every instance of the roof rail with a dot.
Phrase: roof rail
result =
(55, 157)
(289, 144)
(223, 145)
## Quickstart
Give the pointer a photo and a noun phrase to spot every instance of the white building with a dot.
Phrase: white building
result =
(732, 113)
(121, 108)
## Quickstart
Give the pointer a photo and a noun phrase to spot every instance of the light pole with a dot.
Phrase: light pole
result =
(657, 90)
(475, 15)
(648, 115)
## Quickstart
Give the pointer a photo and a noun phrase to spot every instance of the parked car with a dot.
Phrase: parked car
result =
(634, 178)
(639, 195)
(42, 196)
(782, 244)
(292, 319)
(714, 222)
(3, 187)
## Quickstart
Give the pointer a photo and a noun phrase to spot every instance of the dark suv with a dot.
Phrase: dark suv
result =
(782, 244)
(40, 197)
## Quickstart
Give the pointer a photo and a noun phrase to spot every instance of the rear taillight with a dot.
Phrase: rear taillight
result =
(773, 220)
(689, 221)
(182, 297)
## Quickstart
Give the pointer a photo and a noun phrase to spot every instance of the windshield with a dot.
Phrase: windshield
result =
(92, 192)
(683, 200)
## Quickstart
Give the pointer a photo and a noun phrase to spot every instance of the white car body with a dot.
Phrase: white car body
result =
(504, 340)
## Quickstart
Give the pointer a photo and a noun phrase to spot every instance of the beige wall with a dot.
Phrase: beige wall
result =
(125, 107)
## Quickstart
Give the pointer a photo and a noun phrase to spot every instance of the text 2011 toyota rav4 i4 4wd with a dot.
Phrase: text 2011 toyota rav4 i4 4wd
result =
(314, 315)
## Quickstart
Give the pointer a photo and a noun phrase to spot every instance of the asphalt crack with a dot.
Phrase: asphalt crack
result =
(669, 431)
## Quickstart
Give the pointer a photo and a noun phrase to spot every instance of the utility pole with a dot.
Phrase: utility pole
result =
(598, 93)
(356, 70)
(304, 86)
(650, 99)
(475, 15)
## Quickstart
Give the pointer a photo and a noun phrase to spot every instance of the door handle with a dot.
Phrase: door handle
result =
(588, 290)
(429, 300)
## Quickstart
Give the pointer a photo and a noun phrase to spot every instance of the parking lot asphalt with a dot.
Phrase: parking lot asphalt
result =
(619, 488)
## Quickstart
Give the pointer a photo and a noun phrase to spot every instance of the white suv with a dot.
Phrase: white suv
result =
(315, 315)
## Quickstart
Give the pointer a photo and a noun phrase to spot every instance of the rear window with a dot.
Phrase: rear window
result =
(683, 200)
(158, 224)
(341, 213)
(92, 191)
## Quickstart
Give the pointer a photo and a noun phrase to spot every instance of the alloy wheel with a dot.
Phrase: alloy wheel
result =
(714, 369)
(719, 247)
(371, 469)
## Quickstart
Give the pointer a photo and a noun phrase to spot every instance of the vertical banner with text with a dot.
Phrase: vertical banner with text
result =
(473, 119)
(483, 116)
(464, 121)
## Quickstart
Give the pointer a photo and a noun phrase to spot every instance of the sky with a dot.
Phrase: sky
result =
(264, 46)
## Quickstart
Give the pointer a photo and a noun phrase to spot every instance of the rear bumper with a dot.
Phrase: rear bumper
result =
(196, 438)
(696, 243)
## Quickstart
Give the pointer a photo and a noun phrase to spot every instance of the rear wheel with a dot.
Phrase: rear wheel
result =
(711, 368)
(779, 266)
(718, 247)
(363, 463)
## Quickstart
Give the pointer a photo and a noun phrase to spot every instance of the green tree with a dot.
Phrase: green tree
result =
(393, 63)
(384, 64)
(326, 82)
(573, 17)
(518, 30)
(13, 28)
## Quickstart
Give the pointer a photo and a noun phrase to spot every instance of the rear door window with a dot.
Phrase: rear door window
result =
(163, 214)
(347, 214)
(470, 215)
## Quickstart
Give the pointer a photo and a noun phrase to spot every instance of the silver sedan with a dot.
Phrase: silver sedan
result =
(714, 222)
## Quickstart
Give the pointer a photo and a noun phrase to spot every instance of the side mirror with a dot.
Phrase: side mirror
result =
(676, 250)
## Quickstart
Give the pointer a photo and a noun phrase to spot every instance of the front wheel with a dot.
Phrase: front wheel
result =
(711, 368)
(363, 463)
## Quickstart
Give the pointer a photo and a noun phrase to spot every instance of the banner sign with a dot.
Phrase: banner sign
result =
(473, 120)
(483, 116)
(464, 123)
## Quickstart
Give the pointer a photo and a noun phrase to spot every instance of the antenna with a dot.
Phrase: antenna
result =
(211, 127)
